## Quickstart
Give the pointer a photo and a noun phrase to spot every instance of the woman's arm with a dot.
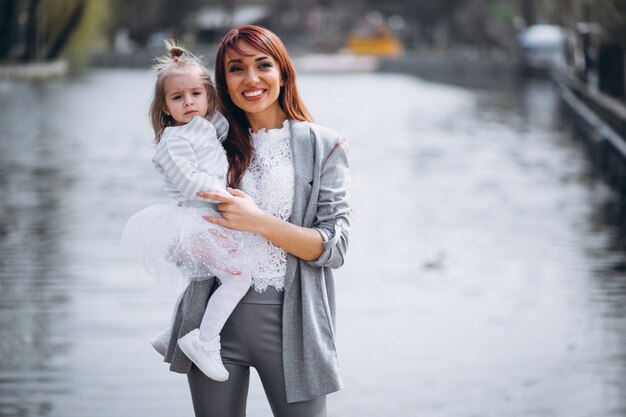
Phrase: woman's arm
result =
(332, 217)
(239, 212)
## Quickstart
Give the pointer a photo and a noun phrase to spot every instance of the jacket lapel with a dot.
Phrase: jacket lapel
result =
(302, 154)
(303, 159)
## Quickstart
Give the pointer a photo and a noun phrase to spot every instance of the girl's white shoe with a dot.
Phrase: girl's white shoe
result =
(162, 341)
(205, 355)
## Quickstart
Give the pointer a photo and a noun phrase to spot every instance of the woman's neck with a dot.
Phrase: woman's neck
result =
(264, 121)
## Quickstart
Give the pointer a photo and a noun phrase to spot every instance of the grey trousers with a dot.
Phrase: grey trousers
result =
(252, 336)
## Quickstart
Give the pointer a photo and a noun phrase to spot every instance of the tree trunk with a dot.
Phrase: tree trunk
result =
(31, 52)
(7, 27)
(73, 21)
(611, 73)
(177, 11)
(528, 12)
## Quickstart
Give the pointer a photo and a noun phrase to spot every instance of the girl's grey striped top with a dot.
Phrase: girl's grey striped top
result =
(191, 157)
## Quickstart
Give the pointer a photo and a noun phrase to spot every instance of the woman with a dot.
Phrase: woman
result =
(290, 179)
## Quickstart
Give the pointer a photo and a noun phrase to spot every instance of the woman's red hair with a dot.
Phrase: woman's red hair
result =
(237, 145)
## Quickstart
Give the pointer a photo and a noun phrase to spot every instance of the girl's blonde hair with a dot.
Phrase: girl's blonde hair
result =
(176, 61)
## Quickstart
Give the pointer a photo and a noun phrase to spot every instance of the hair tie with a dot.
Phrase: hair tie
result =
(176, 52)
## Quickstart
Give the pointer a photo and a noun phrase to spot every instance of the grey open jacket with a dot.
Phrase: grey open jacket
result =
(320, 201)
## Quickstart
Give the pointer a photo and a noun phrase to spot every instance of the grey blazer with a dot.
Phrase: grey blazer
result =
(320, 201)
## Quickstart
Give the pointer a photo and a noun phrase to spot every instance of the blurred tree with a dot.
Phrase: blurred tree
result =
(611, 53)
(528, 12)
(90, 34)
(8, 26)
(486, 24)
(469, 23)
(42, 30)
(143, 18)
(611, 14)
(65, 31)
(33, 26)
(427, 15)
(431, 14)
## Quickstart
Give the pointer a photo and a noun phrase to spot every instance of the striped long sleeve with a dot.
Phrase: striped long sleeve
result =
(191, 158)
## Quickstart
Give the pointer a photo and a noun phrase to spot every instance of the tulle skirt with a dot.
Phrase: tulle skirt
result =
(175, 242)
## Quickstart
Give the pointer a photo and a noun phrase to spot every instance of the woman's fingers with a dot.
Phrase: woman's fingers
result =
(236, 192)
(222, 198)
(215, 220)
(238, 211)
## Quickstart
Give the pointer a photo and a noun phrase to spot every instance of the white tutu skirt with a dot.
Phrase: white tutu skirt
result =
(175, 242)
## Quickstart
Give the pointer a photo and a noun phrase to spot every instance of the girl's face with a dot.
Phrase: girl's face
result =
(185, 96)
(253, 80)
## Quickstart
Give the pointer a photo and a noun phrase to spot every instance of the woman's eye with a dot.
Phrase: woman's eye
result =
(234, 69)
(265, 65)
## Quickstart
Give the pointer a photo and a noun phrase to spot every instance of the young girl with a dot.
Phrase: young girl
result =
(174, 240)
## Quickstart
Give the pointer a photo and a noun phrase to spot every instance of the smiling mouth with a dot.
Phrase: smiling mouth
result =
(252, 94)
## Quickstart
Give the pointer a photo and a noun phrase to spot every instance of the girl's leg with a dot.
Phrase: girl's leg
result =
(202, 345)
(222, 303)
(215, 252)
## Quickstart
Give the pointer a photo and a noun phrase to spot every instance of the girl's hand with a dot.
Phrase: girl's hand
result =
(239, 212)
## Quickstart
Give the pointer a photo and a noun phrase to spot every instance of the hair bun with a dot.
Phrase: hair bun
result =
(176, 52)
(173, 50)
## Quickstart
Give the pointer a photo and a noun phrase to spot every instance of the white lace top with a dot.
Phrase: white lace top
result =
(269, 181)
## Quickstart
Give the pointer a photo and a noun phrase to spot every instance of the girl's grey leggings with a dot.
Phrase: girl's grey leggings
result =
(252, 336)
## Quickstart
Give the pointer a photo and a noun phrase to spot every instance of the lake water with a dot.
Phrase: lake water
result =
(485, 275)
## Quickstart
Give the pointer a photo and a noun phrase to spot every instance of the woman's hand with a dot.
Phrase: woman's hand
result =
(239, 212)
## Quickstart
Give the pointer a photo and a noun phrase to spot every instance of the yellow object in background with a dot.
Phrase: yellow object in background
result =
(381, 46)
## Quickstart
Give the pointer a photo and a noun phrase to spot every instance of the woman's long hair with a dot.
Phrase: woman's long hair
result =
(238, 146)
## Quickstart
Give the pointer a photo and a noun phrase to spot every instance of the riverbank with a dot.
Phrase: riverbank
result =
(599, 121)
(34, 70)
(468, 67)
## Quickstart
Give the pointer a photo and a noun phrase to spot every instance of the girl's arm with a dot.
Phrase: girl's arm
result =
(177, 160)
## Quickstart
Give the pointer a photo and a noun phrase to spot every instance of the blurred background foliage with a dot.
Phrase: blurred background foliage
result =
(43, 30)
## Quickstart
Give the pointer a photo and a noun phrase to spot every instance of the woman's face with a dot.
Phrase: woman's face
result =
(254, 81)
